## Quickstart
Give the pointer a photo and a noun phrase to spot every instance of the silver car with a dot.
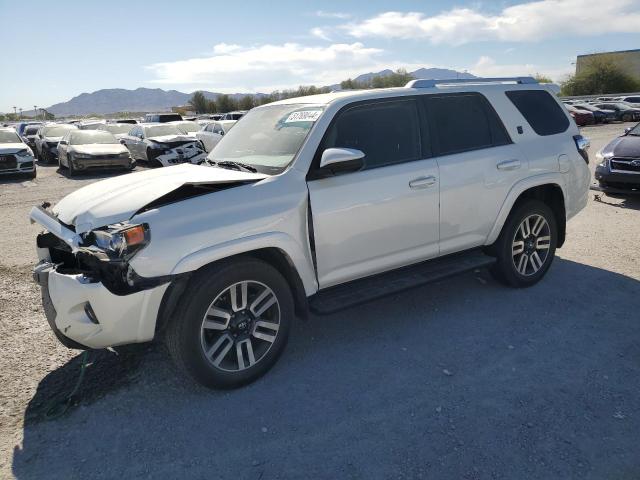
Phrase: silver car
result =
(86, 149)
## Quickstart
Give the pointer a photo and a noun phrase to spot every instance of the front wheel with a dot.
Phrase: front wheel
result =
(232, 324)
(526, 246)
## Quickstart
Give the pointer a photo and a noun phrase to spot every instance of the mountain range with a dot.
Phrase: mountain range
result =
(112, 100)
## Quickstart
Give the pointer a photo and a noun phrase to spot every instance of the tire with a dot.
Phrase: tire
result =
(188, 340)
(514, 270)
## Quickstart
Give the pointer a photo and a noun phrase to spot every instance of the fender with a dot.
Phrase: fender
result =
(301, 262)
(554, 178)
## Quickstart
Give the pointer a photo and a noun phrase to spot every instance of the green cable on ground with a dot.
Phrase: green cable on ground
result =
(57, 409)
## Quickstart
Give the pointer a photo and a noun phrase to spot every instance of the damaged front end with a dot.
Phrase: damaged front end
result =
(169, 153)
(101, 255)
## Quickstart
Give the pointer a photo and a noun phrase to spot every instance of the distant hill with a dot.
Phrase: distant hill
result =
(112, 100)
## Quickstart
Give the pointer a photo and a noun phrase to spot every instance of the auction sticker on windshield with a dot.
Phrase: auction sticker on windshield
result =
(303, 116)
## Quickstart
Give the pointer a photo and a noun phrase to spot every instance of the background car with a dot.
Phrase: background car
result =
(131, 121)
(162, 117)
(600, 115)
(618, 170)
(632, 100)
(119, 130)
(29, 136)
(581, 117)
(47, 140)
(20, 127)
(212, 133)
(88, 149)
(624, 112)
(15, 155)
(162, 145)
(233, 115)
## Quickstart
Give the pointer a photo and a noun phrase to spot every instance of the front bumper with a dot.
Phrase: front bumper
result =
(85, 314)
(615, 182)
(26, 166)
(102, 162)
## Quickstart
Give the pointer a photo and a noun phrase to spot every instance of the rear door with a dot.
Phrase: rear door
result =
(478, 166)
(385, 215)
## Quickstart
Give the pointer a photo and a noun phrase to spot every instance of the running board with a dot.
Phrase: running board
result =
(370, 288)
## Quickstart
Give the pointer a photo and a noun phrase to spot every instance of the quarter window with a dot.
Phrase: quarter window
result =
(538, 107)
(387, 132)
(463, 122)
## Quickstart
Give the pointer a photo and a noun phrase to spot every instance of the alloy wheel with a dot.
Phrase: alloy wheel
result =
(530, 245)
(240, 326)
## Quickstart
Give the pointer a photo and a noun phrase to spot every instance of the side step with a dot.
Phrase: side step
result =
(366, 289)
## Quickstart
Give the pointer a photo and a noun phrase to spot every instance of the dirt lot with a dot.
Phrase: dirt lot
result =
(461, 379)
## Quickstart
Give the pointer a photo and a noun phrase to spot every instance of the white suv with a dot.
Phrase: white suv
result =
(315, 203)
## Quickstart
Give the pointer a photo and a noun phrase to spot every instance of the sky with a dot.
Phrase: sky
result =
(260, 46)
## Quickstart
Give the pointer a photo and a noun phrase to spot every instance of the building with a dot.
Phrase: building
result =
(629, 60)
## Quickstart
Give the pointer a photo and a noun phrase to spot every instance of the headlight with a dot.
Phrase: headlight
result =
(81, 155)
(25, 153)
(121, 239)
(124, 155)
(603, 158)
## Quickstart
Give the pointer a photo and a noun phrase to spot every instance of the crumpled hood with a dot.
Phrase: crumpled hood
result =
(12, 147)
(626, 146)
(171, 138)
(99, 149)
(118, 199)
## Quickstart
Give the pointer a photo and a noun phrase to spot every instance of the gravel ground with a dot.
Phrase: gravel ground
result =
(460, 379)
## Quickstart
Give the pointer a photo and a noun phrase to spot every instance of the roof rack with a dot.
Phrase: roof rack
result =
(474, 81)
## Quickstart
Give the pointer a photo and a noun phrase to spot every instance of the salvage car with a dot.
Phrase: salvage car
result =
(47, 140)
(162, 117)
(118, 130)
(618, 170)
(624, 112)
(29, 136)
(600, 115)
(81, 150)
(581, 117)
(15, 154)
(316, 203)
(162, 145)
(213, 132)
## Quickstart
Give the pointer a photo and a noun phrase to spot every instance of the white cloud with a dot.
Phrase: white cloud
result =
(524, 22)
(268, 67)
(488, 67)
(320, 33)
(338, 15)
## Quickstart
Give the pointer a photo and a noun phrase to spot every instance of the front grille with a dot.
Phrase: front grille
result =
(625, 164)
(8, 162)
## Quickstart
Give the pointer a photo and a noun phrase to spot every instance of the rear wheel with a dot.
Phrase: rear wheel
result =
(526, 246)
(232, 324)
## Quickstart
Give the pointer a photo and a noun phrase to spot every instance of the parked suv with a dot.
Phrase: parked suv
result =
(315, 203)
(162, 117)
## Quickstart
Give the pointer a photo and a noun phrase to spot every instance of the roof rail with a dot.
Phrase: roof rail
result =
(474, 81)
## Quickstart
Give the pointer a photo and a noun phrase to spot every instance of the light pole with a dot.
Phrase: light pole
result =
(20, 113)
(35, 111)
(15, 113)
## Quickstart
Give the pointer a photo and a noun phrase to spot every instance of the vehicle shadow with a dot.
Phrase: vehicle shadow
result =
(15, 178)
(620, 200)
(464, 378)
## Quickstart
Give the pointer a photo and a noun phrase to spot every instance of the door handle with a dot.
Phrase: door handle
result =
(509, 165)
(422, 182)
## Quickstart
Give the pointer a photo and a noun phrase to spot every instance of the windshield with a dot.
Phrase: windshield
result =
(267, 138)
(57, 130)
(9, 136)
(113, 128)
(188, 127)
(88, 137)
(31, 130)
(160, 130)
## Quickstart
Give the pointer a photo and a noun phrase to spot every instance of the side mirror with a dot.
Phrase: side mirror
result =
(339, 160)
(627, 130)
(62, 142)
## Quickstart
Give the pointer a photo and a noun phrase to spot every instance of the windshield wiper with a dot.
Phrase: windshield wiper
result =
(236, 166)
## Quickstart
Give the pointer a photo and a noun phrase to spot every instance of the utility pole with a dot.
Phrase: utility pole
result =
(20, 113)
(15, 113)
(35, 111)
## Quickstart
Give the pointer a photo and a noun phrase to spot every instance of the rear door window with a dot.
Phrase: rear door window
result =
(541, 111)
(461, 122)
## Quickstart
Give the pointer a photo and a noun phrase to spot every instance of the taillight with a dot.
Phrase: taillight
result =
(582, 144)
